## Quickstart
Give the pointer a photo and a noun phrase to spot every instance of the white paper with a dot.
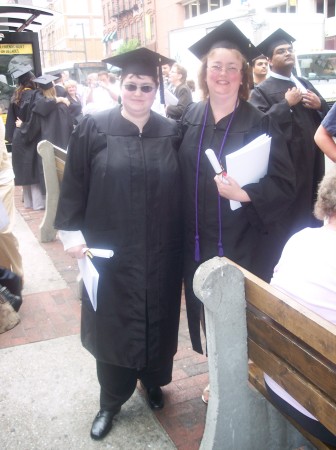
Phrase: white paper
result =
(90, 278)
(214, 161)
(170, 98)
(249, 164)
(89, 273)
(100, 252)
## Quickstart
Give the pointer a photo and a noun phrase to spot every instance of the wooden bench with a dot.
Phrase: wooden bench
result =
(53, 160)
(253, 328)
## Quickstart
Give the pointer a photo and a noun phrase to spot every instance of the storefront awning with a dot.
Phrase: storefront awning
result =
(112, 36)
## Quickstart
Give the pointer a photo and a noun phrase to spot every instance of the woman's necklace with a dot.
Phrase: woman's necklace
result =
(197, 238)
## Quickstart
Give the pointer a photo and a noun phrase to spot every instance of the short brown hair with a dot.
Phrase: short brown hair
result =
(181, 71)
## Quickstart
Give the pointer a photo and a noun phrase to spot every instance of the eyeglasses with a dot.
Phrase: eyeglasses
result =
(133, 87)
(230, 70)
(282, 51)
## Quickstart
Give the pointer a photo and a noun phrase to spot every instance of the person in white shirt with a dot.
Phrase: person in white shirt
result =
(307, 272)
(96, 98)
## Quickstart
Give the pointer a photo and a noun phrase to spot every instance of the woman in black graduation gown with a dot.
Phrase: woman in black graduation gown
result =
(225, 122)
(27, 163)
(122, 191)
(50, 116)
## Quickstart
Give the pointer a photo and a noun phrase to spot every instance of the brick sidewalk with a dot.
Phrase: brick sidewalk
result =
(54, 314)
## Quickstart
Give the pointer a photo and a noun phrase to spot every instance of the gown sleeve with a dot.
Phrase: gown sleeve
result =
(273, 195)
(75, 187)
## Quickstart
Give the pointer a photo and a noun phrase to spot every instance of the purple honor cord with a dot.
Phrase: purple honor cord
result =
(197, 238)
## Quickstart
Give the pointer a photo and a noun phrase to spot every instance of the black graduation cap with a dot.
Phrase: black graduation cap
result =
(279, 37)
(56, 74)
(45, 81)
(23, 73)
(141, 61)
(226, 35)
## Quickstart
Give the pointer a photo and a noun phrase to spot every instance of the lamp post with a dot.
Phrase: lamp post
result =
(84, 39)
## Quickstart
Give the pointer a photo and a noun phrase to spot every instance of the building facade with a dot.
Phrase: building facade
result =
(147, 22)
(74, 35)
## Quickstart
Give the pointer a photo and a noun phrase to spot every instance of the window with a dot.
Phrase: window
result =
(320, 6)
(331, 8)
(197, 7)
(203, 5)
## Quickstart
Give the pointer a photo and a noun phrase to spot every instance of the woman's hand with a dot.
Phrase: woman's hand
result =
(230, 189)
(76, 252)
(64, 100)
(18, 123)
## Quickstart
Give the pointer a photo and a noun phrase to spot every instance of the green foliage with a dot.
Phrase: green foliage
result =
(128, 46)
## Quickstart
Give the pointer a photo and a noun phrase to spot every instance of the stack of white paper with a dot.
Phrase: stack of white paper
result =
(89, 273)
(249, 164)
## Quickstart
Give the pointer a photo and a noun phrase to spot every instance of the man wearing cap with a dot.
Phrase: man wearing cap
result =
(59, 85)
(298, 109)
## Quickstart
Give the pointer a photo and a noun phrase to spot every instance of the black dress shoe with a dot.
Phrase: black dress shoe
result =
(102, 424)
(155, 397)
(14, 300)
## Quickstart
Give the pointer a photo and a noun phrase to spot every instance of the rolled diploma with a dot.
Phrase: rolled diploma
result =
(214, 161)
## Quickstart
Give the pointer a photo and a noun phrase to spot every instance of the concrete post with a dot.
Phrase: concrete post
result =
(47, 230)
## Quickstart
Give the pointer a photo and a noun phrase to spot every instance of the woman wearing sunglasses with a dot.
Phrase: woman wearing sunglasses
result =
(122, 191)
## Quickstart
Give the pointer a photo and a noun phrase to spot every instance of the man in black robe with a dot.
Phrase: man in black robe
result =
(298, 109)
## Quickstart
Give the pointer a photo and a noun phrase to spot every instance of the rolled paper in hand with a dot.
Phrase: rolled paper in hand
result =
(214, 161)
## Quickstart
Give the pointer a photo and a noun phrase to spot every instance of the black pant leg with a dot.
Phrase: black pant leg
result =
(159, 377)
(312, 426)
(117, 385)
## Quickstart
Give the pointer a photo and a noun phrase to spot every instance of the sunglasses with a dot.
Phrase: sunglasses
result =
(133, 87)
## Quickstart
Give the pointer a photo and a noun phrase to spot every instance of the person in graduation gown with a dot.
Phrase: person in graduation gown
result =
(75, 107)
(122, 191)
(296, 106)
(26, 162)
(50, 117)
(225, 122)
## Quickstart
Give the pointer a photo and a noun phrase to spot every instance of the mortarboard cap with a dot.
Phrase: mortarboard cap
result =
(226, 35)
(141, 61)
(279, 37)
(45, 81)
(57, 75)
(23, 73)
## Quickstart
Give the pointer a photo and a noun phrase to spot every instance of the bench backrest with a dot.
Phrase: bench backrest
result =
(60, 157)
(295, 346)
(53, 160)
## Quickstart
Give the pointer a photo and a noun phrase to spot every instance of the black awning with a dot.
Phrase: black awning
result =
(18, 18)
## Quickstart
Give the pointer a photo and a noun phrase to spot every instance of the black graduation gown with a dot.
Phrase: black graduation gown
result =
(243, 228)
(49, 121)
(122, 189)
(299, 125)
(25, 158)
(75, 109)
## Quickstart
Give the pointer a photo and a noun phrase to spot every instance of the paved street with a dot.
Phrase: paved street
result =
(49, 393)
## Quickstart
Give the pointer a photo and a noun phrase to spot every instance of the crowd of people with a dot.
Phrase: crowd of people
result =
(167, 211)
